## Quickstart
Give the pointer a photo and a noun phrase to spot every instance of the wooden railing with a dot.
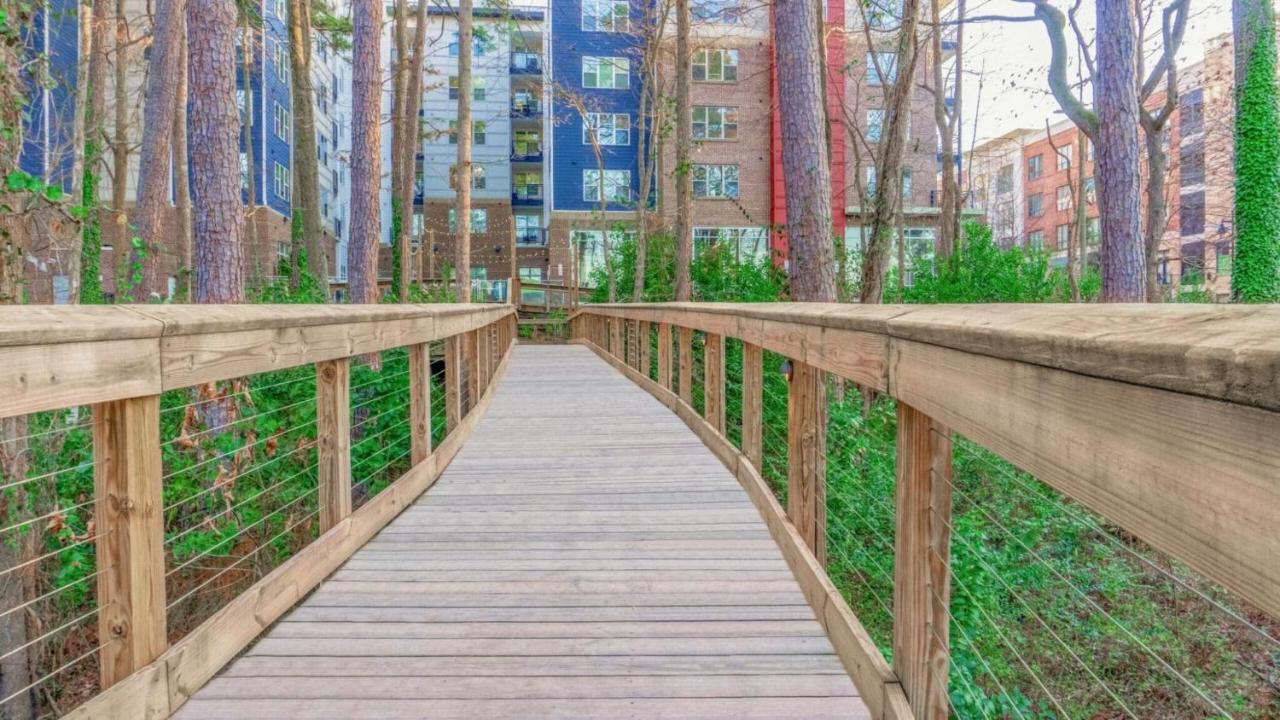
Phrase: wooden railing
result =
(540, 297)
(1162, 420)
(119, 360)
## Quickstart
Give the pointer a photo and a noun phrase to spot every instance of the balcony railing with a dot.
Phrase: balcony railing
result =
(519, 154)
(527, 195)
(524, 63)
(527, 109)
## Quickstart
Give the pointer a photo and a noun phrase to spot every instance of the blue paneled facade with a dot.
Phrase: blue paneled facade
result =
(269, 82)
(569, 44)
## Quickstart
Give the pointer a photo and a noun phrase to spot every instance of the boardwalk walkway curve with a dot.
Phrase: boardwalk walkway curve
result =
(583, 556)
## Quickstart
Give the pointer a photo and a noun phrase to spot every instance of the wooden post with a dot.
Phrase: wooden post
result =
(129, 515)
(685, 351)
(333, 423)
(482, 363)
(453, 381)
(645, 363)
(713, 393)
(513, 285)
(922, 553)
(752, 397)
(806, 457)
(420, 401)
(664, 355)
(471, 350)
(615, 337)
(632, 329)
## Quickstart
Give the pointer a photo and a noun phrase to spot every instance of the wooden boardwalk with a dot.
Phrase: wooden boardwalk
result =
(584, 556)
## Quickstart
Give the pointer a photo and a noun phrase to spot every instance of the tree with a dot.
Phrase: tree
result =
(366, 165)
(409, 149)
(1256, 274)
(215, 152)
(462, 181)
(157, 123)
(684, 146)
(248, 21)
(650, 37)
(90, 285)
(182, 178)
(306, 165)
(886, 211)
(947, 120)
(399, 101)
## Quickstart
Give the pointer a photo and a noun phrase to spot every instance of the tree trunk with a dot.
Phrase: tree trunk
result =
(684, 153)
(1118, 176)
(215, 164)
(366, 158)
(90, 281)
(157, 133)
(409, 148)
(182, 179)
(944, 118)
(463, 179)
(247, 131)
(1255, 275)
(79, 148)
(887, 203)
(399, 100)
(306, 164)
(1157, 207)
(651, 37)
(120, 134)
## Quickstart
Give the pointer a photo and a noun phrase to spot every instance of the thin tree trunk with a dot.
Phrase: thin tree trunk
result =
(642, 159)
(89, 283)
(409, 148)
(80, 128)
(948, 221)
(306, 165)
(1157, 206)
(399, 100)
(247, 130)
(120, 133)
(684, 152)
(157, 132)
(1119, 182)
(215, 166)
(366, 165)
(182, 180)
(463, 179)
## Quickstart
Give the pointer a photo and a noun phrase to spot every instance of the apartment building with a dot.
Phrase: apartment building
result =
(262, 82)
(996, 172)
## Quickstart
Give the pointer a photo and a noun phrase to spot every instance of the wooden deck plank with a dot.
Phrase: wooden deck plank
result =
(582, 532)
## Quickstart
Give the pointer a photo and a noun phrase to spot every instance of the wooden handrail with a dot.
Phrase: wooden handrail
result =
(120, 358)
(1162, 419)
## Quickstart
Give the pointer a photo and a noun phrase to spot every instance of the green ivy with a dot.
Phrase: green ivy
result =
(397, 222)
(1255, 277)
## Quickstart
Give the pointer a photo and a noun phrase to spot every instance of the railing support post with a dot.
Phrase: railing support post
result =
(806, 457)
(632, 333)
(615, 337)
(333, 428)
(685, 351)
(453, 381)
(420, 401)
(922, 544)
(713, 359)
(130, 526)
(643, 340)
(664, 355)
(752, 397)
(471, 348)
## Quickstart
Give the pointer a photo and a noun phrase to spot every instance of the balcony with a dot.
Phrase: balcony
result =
(526, 63)
(527, 196)
(526, 154)
(526, 109)
(531, 237)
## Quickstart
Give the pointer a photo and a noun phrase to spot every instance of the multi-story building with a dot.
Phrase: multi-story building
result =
(1051, 171)
(996, 173)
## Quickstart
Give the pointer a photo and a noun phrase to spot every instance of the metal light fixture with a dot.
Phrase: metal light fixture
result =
(785, 369)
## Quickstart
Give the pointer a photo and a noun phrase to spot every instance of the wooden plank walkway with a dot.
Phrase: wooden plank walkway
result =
(584, 556)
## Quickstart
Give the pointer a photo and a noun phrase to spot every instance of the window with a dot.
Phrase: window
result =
(477, 132)
(244, 172)
(718, 11)
(1093, 231)
(871, 181)
(1064, 157)
(1191, 164)
(715, 66)
(1162, 269)
(883, 14)
(1064, 197)
(1004, 179)
(477, 45)
(605, 15)
(610, 128)
(527, 143)
(529, 231)
(1191, 113)
(531, 274)
(1035, 205)
(282, 180)
(282, 10)
(282, 62)
(715, 181)
(875, 125)
(477, 177)
(524, 102)
(616, 186)
(1064, 235)
(715, 123)
(1191, 213)
(882, 62)
(282, 123)
(528, 185)
(477, 88)
(1035, 167)
(746, 242)
(479, 221)
(1035, 240)
(606, 73)
(1223, 259)
(1193, 263)
(906, 185)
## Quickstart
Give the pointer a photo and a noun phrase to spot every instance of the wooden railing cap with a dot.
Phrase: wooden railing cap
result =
(1228, 352)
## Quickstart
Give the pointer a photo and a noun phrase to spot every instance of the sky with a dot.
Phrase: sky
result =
(1013, 58)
